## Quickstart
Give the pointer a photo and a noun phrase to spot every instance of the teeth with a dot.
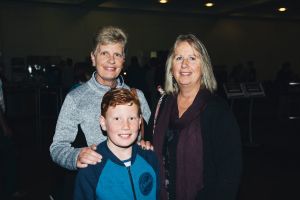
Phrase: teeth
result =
(185, 73)
(125, 135)
(110, 68)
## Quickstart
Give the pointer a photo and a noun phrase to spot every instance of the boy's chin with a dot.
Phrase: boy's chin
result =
(123, 144)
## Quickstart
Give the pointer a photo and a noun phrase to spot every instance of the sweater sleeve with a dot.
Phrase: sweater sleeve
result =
(61, 149)
(144, 106)
(225, 152)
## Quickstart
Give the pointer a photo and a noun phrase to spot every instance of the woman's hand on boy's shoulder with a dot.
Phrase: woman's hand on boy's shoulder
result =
(88, 156)
(145, 145)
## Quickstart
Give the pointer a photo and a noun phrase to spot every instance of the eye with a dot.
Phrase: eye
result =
(103, 53)
(178, 58)
(132, 118)
(116, 118)
(192, 58)
(118, 55)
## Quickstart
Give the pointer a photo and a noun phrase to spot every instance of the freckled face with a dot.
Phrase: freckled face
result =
(186, 66)
(108, 60)
(122, 125)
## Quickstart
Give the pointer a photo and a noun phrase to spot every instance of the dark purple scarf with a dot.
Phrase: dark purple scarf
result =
(189, 173)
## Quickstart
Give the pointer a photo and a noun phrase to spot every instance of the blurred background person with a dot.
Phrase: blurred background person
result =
(8, 153)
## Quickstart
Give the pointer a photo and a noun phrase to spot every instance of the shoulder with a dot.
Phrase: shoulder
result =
(167, 97)
(140, 95)
(216, 103)
(164, 99)
(91, 173)
(79, 91)
(147, 155)
(138, 91)
(102, 148)
(217, 111)
(144, 104)
(83, 94)
(94, 171)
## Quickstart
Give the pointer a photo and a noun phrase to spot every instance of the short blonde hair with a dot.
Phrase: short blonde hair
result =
(208, 80)
(109, 35)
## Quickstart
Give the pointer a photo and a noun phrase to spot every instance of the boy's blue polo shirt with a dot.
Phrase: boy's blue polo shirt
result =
(111, 179)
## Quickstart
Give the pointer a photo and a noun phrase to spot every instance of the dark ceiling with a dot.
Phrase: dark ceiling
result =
(263, 9)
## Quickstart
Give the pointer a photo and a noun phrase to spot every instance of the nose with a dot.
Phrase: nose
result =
(184, 63)
(111, 59)
(126, 125)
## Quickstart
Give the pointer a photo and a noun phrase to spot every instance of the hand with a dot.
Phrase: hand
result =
(88, 156)
(145, 145)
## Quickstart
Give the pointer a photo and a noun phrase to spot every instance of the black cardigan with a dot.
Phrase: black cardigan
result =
(221, 150)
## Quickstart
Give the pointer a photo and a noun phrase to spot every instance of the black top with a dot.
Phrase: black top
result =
(222, 160)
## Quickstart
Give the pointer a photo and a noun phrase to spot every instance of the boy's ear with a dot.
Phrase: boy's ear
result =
(102, 123)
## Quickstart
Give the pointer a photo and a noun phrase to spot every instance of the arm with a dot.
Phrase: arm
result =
(228, 156)
(61, 150)
(223, 153)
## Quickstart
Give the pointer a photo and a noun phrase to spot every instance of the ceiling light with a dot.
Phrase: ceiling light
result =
(209, 4)
(163, 1)
(282, 9)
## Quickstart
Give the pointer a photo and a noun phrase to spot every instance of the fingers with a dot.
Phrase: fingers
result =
(145, 145)
(88, 156)
(149, 146)
(80, 165)
(93, 147)
(141, 143)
